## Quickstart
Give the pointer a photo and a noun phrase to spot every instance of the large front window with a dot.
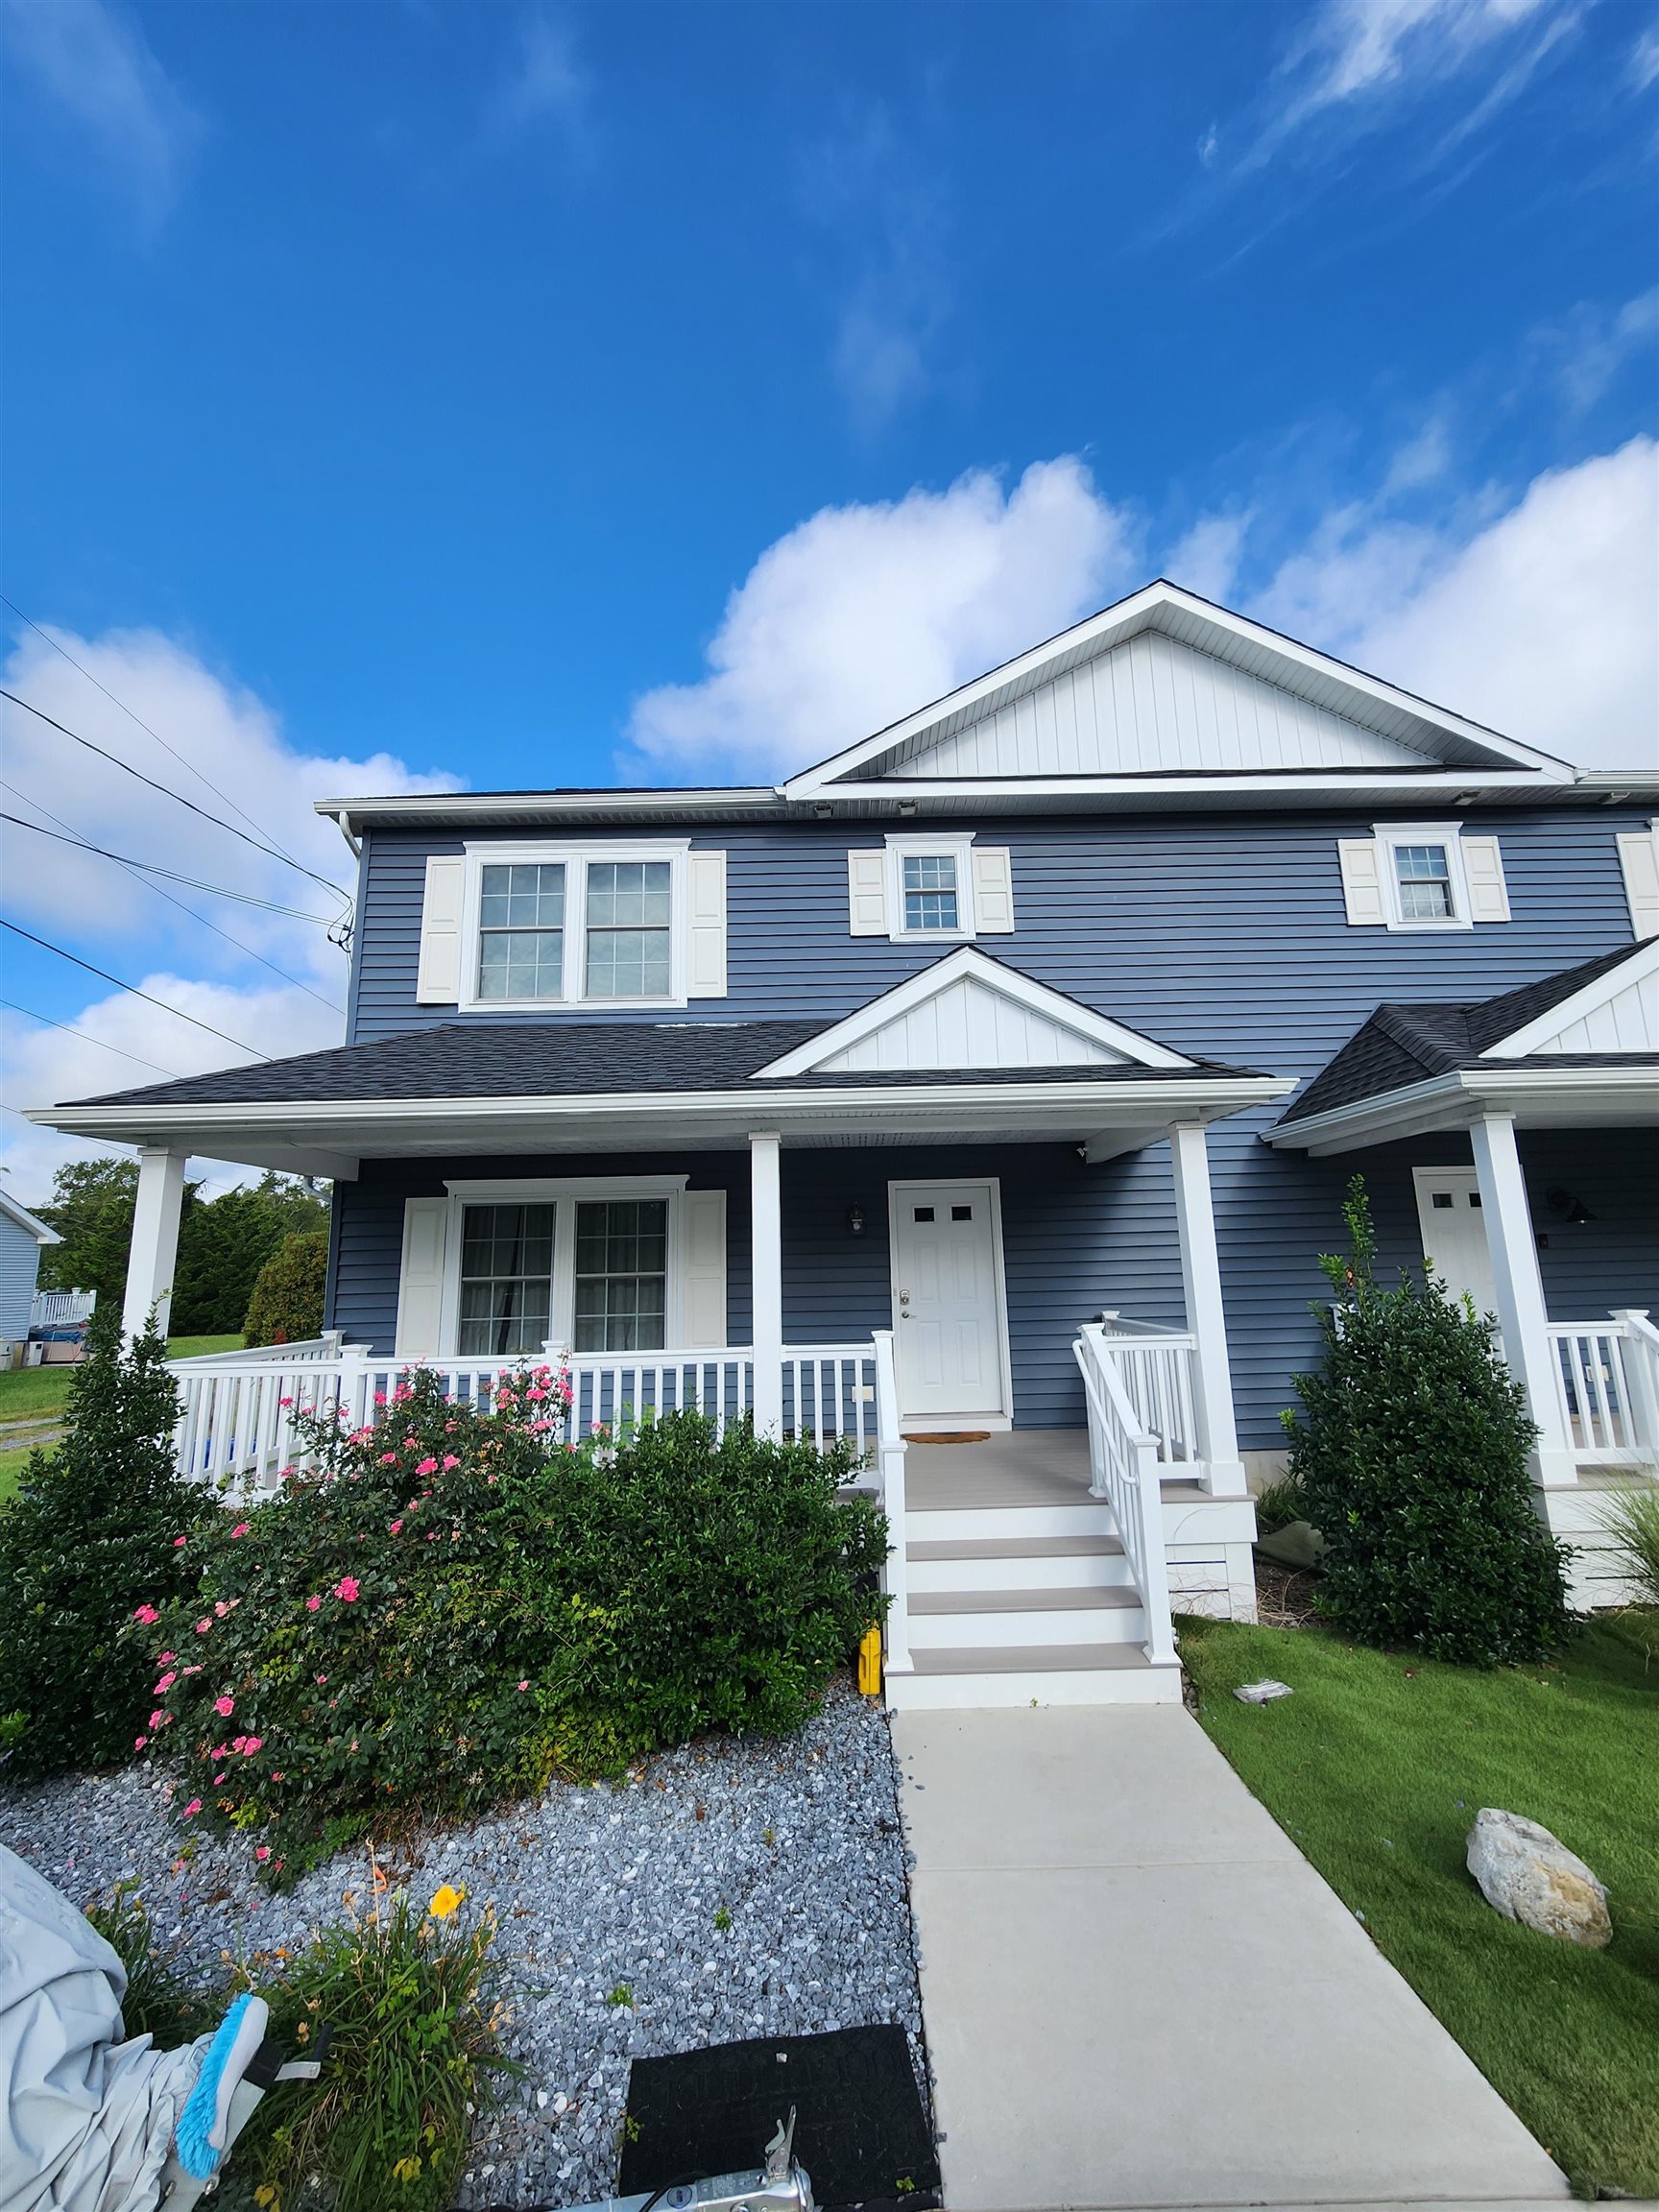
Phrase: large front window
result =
(621, 1275)
(522, 931)
(506, 1280)
(630, 918)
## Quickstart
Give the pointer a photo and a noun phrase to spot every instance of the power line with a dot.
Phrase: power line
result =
(154, 868)
(132, 716)
(131, 868)
(219, 823)
(176, 1012)
(171, 1073)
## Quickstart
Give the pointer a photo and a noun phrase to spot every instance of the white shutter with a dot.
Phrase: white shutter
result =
(866, 893)
(420, 1284)
(993, 889)
(1639, 859)
(1362, 881)
(438, 979)
(703, 1246)
(1483, 871)
(705, 926)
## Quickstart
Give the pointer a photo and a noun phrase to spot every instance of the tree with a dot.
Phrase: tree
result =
(1410, 1454)
(91, 1209)
(286, 1307)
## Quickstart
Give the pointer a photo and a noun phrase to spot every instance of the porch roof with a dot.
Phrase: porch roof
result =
(629, 1086)
(1414, 1068)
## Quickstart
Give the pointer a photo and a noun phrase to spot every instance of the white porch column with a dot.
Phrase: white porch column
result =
(155, 1249)
(1519, 1290)
(1201, 1281)
(766, 1280)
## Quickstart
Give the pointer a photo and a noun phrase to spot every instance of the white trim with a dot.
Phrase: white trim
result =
(996, 975)
(575, 856)
(1230, 638)
(1523, 1320)
(970, 1415)
(1539, 1098)
(1642, 967)
(1390, 836)
(562, 1193)
(153, 1256)
(38, 1230)
(902, 845)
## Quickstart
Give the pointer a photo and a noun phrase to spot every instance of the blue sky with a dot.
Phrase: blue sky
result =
(521, 396)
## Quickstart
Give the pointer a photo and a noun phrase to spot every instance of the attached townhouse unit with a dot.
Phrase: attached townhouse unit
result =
(986, 1094)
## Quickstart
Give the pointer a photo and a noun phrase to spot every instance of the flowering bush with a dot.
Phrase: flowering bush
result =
(454, 1605)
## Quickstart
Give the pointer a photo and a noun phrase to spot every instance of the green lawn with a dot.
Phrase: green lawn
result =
(40, 1394)
(1376, 1767)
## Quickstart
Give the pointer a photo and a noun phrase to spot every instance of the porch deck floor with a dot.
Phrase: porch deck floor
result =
(1018, 1467)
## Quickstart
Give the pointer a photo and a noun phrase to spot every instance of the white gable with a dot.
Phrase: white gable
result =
(968, 1011)
(1618, 1012)
(1154, 706)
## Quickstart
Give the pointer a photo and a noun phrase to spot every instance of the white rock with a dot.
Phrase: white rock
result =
(1530, 1876)
(1262, 1692)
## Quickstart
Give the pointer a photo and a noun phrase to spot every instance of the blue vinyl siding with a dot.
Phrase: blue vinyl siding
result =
(1223, 936)
(19, 1264)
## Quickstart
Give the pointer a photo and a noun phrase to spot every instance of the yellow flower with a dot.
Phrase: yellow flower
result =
(447, 1901)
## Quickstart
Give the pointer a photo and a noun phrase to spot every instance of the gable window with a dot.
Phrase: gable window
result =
(522, 931)
(944, 887)
(930, 887)
(1422, 876)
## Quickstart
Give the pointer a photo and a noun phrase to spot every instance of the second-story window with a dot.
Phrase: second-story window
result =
(1424, 877)
(931, 891)
(522, 931)
(630, 927)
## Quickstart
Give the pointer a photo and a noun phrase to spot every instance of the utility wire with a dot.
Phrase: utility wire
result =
(218, 819)
(131, 868)
(178, 1012)
(171, 1073)
(154, 868)
(181, 758)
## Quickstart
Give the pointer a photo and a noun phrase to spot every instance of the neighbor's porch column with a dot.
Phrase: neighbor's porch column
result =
(767, 1292)
(1518, 1289)
(155, 1240)
(1201, 1280)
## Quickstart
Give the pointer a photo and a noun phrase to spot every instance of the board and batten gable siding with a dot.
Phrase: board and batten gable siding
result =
(19, 1264)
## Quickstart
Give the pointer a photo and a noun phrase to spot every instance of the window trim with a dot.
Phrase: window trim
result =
(575, 856)
(1390, 836)
(563, 1192)
(911, 845)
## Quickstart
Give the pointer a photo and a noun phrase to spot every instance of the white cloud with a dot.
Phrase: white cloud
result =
(1540, 621)
(862, 614)
(1642, 68)
(547, 79)
(94, 63)
(1206, 560)
(98, 910)
(1584, 353)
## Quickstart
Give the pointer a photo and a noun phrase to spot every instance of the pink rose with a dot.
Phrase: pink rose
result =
(395, 1526)
(253, 1745)
(240, 1529)
(263, 1851)
(525, 1684)
(452, 1461)
(177, 1542)
(312, 1603)
(221, 1609)
(225, 1707)
(220, 1751)
(165, 1658)
(388, 1459)
(321, 1680)
(147, 1613)
(203, 1627)
(346, 1589)
(165, 1684)
(139, 1742)
(427, 1467)
(155, 1717)
(194, 1806)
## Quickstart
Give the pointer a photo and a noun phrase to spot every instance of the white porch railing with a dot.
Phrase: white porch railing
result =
(1155, 1366)
(1606, 1377)
(61, 1308)
(1124, 1469)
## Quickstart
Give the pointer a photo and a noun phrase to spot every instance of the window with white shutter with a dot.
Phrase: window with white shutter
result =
(1415, 876)
(1639, 863)
(943, 889)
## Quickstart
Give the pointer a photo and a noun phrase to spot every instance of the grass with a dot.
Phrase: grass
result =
(1376, 1767)
(42, 1393)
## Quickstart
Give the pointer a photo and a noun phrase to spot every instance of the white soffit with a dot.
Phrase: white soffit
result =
(968, 1011)
(1618, 1012)
(1166, 684)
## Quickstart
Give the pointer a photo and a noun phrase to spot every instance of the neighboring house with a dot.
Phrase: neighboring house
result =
(21, 1240)
(856, 1100)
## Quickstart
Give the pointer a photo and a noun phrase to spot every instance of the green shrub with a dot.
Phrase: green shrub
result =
(1279, 1504)
(1410, 1456)
(94, 1537)
(1631, 1518)
(286, 1307)
(455, 1606)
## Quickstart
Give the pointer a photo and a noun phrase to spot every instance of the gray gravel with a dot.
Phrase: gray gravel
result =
(603, 1893)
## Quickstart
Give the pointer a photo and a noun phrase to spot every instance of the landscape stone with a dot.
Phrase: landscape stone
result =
(1530, 1876)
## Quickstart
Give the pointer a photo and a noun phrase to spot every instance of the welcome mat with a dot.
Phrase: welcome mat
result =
(948, 1436)
(859, 2131)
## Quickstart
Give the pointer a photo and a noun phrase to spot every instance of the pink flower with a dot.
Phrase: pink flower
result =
(139, 1742)
(237, 1743)
(312, 1603)
(395, 1526)
(203, 1627)
(221, 1608)
(194, 1806)
(346, 1589)
(263, 1851)
(240, 1529)
(190, 1670)
(165, 1684)
(147, 1613)
(388, 1459)
(253, 1745)
(525, 1684)
(165, 1658)
(218, 1781)
(450, 1463)
(321, 1680)
(155, 1717)
(220, 1751)
(225, 1707)
(177, 1542)
(427, 1467)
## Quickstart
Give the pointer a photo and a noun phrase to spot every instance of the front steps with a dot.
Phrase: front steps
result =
(1027, 1604)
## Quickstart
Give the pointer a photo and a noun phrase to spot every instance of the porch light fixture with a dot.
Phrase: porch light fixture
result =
(823, 809)
(854, 1221)
(1566, 1207)
(906, 806)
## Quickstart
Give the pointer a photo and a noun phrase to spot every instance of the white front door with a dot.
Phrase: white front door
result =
(948, 1324)
(1455, 1233)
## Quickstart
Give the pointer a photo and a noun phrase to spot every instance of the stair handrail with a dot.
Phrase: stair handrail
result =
(1642, 1376)
(890, 1450)
(1123, 1470)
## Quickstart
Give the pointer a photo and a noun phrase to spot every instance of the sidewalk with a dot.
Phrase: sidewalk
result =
(1137, 1993)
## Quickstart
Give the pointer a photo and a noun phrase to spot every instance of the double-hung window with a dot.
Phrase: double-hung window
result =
(506, 1280)
(1423, 881)
(621, 1302)
(1422, 876)
(521, 931)
(931, 891)
(630, 919)
(575, 925)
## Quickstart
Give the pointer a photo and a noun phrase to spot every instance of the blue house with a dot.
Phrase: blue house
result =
(986, 1093)
(22, 1240)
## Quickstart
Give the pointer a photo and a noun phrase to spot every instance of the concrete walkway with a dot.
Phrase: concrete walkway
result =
(1139, 1993)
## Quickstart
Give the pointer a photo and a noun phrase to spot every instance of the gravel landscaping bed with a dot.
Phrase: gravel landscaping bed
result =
(727, 1889)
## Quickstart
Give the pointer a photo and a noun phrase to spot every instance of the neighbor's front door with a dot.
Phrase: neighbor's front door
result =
(1455, 1233)
(948, 1302)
